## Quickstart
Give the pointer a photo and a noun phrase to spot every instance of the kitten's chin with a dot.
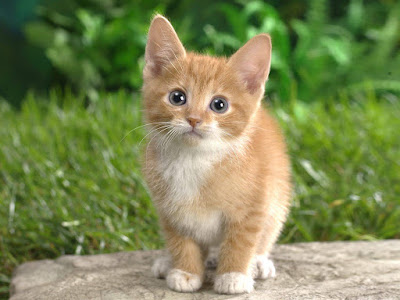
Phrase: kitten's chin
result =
(192, 138)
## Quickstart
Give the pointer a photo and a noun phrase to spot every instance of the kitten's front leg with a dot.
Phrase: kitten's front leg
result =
(234, 272)
(187, 270)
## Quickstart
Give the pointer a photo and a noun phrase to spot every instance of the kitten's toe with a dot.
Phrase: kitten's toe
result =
(263, 267)
(233, 283)
(161, 267)
(181, 281)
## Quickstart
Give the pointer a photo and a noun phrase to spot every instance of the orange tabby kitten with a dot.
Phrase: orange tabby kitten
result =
(215, 161)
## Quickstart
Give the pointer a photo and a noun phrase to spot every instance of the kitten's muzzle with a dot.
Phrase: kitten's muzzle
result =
(194, 132)
(194, 121)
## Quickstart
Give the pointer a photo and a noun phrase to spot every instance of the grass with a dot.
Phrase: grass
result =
(70, 182)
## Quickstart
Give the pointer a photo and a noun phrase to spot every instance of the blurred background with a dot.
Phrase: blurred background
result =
(321, 48)
(70, 78)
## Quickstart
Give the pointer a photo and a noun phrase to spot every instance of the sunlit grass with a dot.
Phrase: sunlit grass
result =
(346, 164)
(70, 182)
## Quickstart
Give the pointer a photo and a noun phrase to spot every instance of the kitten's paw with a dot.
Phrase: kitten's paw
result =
(182, 281)
(233, 283)
(263, 267)
(161, 267)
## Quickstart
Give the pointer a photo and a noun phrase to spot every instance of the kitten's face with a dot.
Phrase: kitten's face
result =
(198, 100)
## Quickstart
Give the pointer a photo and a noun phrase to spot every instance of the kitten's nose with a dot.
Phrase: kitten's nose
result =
(194, 121)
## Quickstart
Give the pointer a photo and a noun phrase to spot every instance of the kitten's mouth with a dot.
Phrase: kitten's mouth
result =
(193, 133)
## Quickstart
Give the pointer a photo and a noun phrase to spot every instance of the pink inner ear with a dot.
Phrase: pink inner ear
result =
(160, 56)
(254, 78)
(163, 46)
(252, 62)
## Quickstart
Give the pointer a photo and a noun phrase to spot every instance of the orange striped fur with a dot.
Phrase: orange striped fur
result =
(229, 187)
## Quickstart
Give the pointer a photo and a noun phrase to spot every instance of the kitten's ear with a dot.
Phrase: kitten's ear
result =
(163, 46)
(252, 62)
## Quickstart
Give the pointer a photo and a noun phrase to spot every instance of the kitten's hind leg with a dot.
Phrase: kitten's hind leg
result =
(262, 267)
(161, 266)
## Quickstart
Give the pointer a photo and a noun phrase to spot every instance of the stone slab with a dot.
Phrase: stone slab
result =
(336, 270)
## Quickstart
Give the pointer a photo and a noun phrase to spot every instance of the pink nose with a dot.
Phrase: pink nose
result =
(194, 121)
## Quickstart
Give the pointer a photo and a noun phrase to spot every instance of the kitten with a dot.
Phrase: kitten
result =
(215, 161)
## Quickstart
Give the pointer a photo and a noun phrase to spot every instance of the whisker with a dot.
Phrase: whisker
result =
(167, 139)
(163, 128)
(149, 124)
(148, 144)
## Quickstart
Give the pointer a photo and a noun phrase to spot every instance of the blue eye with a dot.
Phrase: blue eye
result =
(219, 105)
(177, 98)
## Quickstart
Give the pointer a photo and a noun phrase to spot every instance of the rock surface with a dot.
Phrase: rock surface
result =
(338, 270)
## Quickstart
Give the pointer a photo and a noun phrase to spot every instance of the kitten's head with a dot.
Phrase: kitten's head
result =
(198, 100)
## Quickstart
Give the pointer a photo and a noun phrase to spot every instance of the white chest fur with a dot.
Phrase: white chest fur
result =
(203, 226)
(185, 171)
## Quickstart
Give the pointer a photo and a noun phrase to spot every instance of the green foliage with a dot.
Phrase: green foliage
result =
(345, 165)
(68, 182)
(70, 175)
(322, 57)
(100, 45)
(95, 45)
(253, 18)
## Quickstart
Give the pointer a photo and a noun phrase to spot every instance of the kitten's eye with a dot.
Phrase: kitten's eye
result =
(177, 98)
(219, 105)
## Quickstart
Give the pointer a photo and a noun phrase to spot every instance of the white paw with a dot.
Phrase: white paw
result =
(263, 267)
(161, 267)
(233, 283)
(182, 281)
